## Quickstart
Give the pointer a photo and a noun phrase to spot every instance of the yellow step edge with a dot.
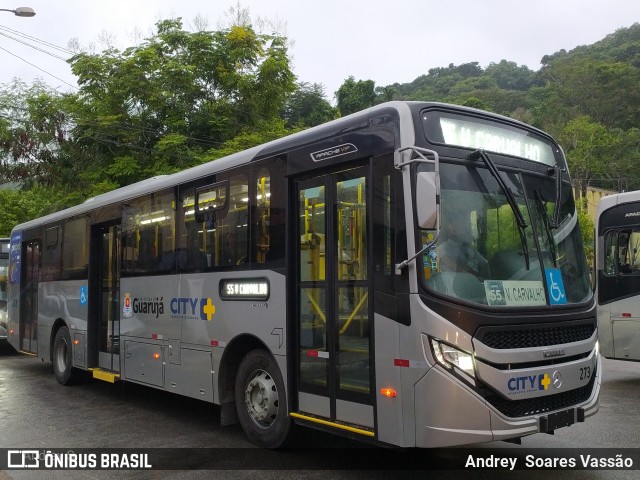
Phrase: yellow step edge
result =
(104, 375)
(332, 424)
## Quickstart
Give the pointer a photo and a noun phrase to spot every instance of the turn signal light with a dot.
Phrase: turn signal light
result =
(156, 356)
(76, 342)
(388, 392)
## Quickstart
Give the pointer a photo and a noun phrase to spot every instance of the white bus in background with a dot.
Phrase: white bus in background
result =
(618, 271)
(412, 275)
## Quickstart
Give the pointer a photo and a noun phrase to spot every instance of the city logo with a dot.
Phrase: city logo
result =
(192, 308)
(529, 383)
(207, 309)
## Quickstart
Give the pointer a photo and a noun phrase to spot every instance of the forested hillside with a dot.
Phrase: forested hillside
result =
(588, 98)
(180, 98)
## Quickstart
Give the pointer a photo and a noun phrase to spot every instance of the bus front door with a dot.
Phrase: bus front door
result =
(29, 297)
(106, 295)
(333, 300)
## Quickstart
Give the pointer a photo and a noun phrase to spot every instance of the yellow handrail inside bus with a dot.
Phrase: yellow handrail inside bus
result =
(354, 313)
(316, 307)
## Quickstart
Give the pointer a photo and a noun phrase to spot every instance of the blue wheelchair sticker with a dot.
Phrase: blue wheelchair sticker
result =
(555, 286)
(83, 296)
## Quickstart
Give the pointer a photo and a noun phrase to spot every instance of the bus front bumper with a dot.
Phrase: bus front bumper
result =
(449, 412)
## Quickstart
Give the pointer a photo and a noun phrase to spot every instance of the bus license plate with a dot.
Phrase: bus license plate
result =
(557, 420)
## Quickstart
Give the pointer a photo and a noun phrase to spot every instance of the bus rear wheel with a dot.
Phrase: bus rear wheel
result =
(261, 400)
(63, 368)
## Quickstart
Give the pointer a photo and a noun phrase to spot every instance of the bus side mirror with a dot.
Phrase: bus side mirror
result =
(426, 200)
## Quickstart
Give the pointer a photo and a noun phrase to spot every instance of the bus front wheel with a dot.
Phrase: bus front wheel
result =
(261, 400)
(63, 358)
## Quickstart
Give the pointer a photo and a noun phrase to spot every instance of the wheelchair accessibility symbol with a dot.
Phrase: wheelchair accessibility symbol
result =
(555, 286)
(83, 296)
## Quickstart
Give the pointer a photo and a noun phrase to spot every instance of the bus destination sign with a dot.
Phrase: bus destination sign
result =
(495, 137)
(244, 289)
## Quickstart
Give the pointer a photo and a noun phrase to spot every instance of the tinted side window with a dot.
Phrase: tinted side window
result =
(75, 251)
(215, 236)
(622, 252)
(269, 214)
(148, 235)
(51, 266)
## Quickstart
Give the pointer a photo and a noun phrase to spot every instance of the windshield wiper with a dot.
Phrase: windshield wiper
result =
(555, 220)
(480, 153)
(542, 211)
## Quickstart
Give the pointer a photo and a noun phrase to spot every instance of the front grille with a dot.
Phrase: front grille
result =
(536, 406)
(538, 336)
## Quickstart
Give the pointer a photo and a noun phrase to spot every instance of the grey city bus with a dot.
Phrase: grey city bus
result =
(410, 275)
(618, 275)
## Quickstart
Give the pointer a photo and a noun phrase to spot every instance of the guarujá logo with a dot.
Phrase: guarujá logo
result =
(148, 306)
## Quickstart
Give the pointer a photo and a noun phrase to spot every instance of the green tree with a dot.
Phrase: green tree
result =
(22, 205)
(593, 151)
(587, 229)
(161, 106)
(386, 94)
(355, 96)
(308, 107)
(607, 92)
(511, 76)
(175, 100)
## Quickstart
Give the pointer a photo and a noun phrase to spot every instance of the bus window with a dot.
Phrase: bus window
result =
(51, 267)
(233, 230)
(263, 215)
(610, 261)
(148, 235)
(220, 238)
(269, 214)
(75, 254)
(4, 277)
(629, 252)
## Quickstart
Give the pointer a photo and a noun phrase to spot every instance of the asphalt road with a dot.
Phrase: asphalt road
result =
(37, 413)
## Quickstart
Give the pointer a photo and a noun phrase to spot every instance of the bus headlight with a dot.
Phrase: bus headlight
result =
(450, 357)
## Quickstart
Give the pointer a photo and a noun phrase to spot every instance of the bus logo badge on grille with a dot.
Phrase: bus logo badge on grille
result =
(557, 379)
(553, 353)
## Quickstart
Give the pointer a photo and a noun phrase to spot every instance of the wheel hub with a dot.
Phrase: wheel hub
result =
(261, 398)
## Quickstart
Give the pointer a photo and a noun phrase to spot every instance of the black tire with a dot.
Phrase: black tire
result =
(62, 357)
(261, 400)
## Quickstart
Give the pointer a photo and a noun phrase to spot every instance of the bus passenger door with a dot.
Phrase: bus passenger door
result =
(333, 296)
(105, 294)
(29, 297)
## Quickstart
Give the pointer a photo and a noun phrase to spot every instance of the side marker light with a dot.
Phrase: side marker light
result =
(388, 392)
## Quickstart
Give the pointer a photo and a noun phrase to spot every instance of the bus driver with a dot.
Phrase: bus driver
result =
(457, 254)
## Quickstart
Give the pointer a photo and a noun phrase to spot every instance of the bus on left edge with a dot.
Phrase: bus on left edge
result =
(4, 273)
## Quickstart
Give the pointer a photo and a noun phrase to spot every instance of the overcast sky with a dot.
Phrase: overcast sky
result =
(388, 42)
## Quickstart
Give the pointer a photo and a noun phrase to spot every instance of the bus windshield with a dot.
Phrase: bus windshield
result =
(485, 255)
